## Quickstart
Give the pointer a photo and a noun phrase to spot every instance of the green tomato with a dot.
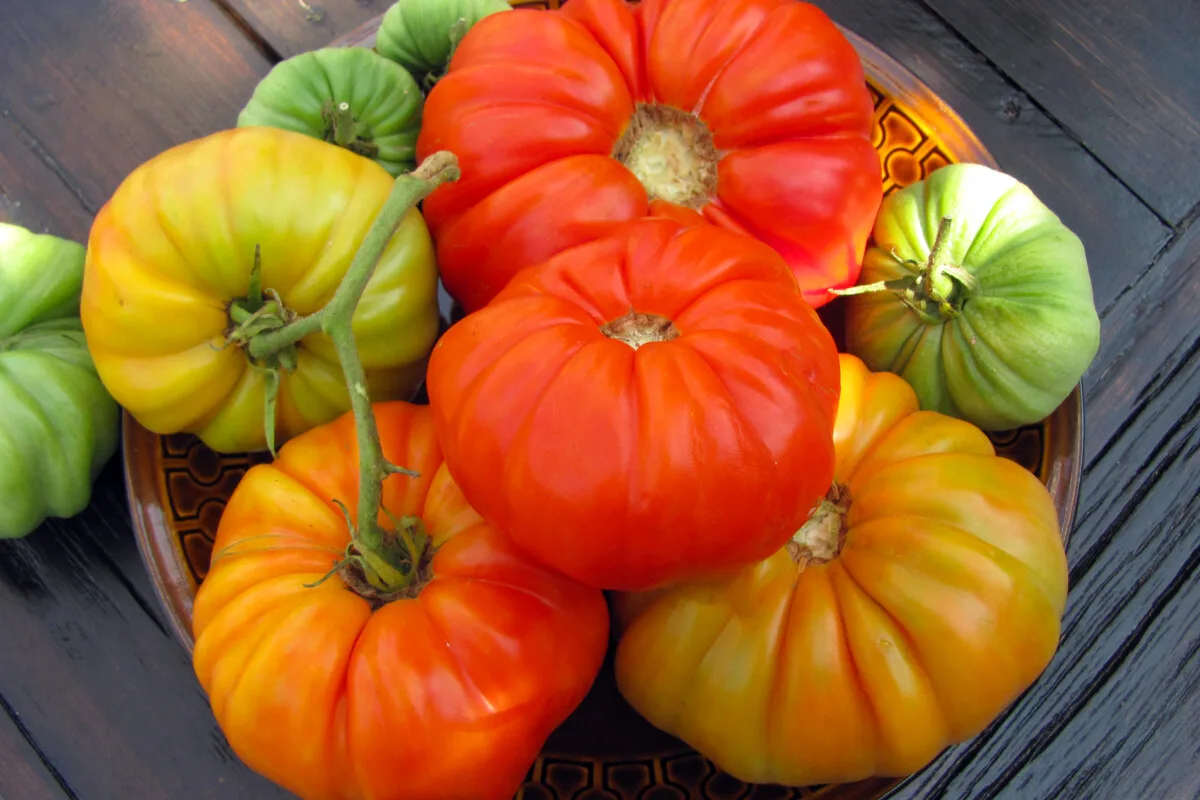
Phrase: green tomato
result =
(58, 424)
(349, 96)
(999, 324)
(420, 35)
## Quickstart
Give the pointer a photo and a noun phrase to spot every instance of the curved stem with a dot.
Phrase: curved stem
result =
(335, 319)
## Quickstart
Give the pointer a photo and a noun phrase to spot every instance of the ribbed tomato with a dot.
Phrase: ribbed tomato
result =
(923, 596)
(754, 113)
(652, 406)
(447, 692)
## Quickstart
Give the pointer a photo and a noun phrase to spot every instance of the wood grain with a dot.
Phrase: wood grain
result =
(1133, 553)
(101, 687)
(23, 775)
(1118, 231)
(294, 26)
(1121, 75)
(35, 191)
(103, 85)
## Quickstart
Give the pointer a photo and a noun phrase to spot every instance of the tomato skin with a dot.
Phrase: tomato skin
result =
(943, 605)
(446, 696)
(627, 468)
(174, 246)
(781, 90)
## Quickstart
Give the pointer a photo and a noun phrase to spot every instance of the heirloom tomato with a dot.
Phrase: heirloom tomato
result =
(58, 425)
(446, 691)
(995, 324)
(652, 406)
(753, 113)
(349, 96)
(169, 263)
(420, 35)
(923, 596)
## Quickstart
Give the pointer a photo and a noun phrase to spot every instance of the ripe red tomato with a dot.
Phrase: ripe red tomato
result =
(337, 693)
(652, 406)
(753, 113)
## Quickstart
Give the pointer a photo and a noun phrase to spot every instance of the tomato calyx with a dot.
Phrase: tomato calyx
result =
(672, 153)
(822, 537)
(399, 569)
(342, 129)
(936, 291)
(636, 329)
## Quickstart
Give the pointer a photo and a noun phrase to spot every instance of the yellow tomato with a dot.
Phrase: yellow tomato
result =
(923, 596)
(173, 249)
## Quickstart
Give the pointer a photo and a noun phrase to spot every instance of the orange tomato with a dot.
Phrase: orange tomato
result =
(446, 694)
(922, 597)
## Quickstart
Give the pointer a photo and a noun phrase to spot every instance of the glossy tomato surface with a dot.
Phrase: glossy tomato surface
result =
(446, 695)
(819, 666)
(175, 246)
(648, 407)
(537, 103)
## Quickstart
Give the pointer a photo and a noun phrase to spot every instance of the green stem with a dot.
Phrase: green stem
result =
(335, 319)
(345, 129)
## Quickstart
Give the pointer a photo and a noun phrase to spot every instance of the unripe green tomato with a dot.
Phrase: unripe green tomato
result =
(349, 96)
(1002, 326)
(420, 35)
(58, 424)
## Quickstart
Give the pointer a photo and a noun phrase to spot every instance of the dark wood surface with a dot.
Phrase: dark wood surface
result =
(1093, 104)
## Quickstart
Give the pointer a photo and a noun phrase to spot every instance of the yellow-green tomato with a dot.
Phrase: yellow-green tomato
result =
(169, 263)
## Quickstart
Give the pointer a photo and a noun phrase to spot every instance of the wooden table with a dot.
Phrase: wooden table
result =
(1094, 103)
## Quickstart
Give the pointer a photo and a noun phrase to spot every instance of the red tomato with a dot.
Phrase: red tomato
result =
(652, 406)
(754, 113)
(445, 693)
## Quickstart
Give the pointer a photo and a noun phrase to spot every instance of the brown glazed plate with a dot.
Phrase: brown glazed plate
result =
(178, 488)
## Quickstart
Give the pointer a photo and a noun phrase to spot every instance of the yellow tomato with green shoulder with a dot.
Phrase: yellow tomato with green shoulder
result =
(922, 597)
(168, 279)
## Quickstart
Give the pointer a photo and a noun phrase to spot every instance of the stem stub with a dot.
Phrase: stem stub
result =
(636, 329)
(821, 538)
(672, 153)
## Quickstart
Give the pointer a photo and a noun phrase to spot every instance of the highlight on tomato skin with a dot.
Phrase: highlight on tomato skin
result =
(338, 692)
(753, 114)
(922, 597)
(653, 406)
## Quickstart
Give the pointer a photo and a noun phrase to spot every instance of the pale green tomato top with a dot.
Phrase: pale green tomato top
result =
(382, 117)
(420, 35)
(1017, 331)
(58, 425)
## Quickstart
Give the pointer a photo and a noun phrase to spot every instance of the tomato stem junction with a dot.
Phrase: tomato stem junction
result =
(636, 329)
(936, 290)
(390, 563)
(672, 153)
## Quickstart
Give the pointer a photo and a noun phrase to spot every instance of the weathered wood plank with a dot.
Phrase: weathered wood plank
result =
(1119, 232)
(23, 775)
(137, 77)
(1133, 550)
(108, 696)
(34, 190)
(1121, 75)
(294, 26)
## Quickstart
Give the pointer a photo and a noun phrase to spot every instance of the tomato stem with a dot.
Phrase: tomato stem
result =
(379, 562)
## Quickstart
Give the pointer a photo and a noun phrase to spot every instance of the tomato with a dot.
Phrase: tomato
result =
(58, 426)
(996, 327)
(924, 595)
(648, 407)
(753, 113)
(420, 35)
(171, 253)
(448, 691)
(304, 93)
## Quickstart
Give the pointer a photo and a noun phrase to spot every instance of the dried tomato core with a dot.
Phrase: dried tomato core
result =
(821, 538)
(636, 329)
(672, 153)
